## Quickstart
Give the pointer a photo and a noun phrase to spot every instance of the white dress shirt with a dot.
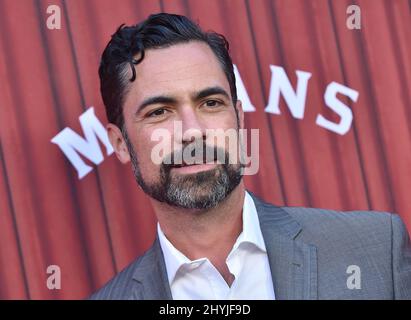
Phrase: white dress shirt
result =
(247, 261)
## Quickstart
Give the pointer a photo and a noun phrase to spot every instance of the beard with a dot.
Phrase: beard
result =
(200, 190)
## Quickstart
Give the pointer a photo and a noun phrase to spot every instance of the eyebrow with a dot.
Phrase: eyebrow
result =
(154, 100)
(171, 100)
(209, 92)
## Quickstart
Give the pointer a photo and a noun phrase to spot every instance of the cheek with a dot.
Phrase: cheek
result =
(224, 120)
(151, 147)
(143, 147)
(223, 133)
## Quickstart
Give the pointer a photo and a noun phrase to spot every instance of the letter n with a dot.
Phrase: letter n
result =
(281, 84)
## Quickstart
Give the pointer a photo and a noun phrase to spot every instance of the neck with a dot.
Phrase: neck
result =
(207, 233)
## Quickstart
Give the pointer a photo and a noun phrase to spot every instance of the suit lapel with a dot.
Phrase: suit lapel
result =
(293, 263)
(151, 276)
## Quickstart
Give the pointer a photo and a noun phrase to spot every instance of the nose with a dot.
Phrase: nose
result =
(192, 127)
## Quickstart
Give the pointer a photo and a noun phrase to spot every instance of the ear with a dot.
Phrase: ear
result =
(240, 111)
(117, 141)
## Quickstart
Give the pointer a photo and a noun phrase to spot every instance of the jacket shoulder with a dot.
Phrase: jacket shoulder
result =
(363, 227)
(307, 215)
(122, 285)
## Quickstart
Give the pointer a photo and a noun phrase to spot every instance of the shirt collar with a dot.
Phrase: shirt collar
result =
(173, 258)
(251, 225)
(251, 233)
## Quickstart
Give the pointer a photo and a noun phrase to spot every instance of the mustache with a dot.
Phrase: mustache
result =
(195, 153)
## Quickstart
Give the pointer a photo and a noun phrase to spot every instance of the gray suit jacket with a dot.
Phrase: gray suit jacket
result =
(313, 254)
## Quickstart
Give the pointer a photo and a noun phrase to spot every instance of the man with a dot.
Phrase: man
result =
(214, 239)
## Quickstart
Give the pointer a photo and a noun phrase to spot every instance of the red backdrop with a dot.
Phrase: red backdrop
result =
(93, 227)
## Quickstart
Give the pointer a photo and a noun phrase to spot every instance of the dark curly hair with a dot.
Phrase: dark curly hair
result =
(157, 31)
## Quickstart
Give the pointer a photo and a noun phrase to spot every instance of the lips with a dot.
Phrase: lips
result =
(202, 155)
(185, 164)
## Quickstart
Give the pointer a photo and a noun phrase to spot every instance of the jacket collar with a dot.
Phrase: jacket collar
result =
(293, 263)
(151, 276)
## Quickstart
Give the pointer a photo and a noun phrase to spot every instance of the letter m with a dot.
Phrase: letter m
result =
(73, 144)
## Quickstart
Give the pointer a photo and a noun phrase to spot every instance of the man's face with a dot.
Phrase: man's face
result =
(180, 87)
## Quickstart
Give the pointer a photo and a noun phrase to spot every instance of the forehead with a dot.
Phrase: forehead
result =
(176, 70)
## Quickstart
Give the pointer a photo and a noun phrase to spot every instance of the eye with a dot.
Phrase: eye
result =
(212, 103)
(157, 112)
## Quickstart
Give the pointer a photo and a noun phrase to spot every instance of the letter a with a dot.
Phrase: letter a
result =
(354, 20)
(354, 280)
(54, 20)
(54, 281)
